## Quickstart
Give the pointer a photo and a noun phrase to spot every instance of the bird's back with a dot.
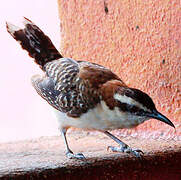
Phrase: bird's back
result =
(72, 87)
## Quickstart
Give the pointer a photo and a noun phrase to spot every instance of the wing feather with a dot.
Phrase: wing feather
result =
(72, 86)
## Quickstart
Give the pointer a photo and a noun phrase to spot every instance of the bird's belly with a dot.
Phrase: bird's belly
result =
(100, 118)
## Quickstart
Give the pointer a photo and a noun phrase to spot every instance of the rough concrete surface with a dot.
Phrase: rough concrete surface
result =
(44, 158)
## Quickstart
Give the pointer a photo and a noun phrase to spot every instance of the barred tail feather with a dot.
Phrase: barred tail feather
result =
(32, 39)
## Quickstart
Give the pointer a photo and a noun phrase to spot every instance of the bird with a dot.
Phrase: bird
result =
(83, 94)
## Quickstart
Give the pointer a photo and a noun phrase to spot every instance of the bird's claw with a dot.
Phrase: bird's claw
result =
(79, 156)
(136, 152)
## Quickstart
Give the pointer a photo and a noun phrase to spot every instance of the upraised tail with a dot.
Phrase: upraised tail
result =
(32, 39)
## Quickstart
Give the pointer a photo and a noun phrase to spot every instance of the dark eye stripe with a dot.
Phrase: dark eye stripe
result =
(130, 108)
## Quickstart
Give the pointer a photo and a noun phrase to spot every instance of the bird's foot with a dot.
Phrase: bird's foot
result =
(79, 156)
(136, 152)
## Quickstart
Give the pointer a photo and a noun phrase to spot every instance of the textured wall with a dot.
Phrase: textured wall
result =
(138, 40)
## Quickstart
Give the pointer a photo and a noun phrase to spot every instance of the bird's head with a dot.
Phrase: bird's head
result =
(138, 103)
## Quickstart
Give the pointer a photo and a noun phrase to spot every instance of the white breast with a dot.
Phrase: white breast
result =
(100, 118)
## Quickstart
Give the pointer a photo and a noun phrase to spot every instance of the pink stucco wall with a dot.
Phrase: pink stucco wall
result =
(138, 40)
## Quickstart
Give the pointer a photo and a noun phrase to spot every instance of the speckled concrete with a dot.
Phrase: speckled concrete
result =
(138, 40)
(44, 159)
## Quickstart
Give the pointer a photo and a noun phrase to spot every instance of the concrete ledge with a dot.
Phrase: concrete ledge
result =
(44, 159)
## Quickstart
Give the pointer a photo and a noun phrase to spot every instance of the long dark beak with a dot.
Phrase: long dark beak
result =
(156, 115)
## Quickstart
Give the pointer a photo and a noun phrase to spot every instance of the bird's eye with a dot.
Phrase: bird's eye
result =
(140, 112)
(128, 108)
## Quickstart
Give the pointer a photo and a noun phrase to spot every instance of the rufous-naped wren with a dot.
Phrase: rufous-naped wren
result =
(84, 95)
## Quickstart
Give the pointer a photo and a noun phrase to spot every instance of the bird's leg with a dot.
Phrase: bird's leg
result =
(123, 147)
(69, 153)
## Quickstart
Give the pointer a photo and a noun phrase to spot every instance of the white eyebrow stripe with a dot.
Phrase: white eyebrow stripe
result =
(130, 101)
